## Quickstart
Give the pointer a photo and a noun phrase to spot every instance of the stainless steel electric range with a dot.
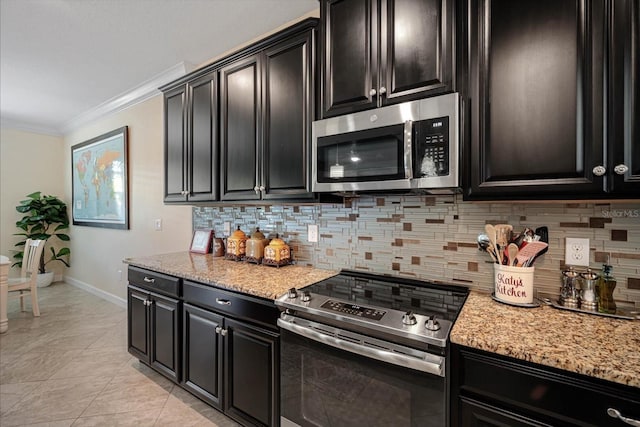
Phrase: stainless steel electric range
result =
(366, 350)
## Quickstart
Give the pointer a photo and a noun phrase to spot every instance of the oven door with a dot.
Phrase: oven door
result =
(324, 383)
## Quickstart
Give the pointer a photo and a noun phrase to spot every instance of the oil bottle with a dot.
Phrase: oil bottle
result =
(605, 286)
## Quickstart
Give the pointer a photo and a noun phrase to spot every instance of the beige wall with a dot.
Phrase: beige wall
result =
(98, 252)
(29, 162)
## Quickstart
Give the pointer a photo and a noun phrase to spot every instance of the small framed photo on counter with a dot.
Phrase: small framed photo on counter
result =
(201, 242)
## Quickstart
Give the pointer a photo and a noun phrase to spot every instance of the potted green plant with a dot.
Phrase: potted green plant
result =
(44, 217)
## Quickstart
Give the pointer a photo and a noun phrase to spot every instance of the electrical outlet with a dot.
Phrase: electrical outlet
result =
(157, 224)
(227, 228)
(576, 252)
(312, 230)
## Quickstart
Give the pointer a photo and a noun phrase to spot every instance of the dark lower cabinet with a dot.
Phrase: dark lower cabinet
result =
(251, 373)
(202, 354)
(492, 390)
(153, 330)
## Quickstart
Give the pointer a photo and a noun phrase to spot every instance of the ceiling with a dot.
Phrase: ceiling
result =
(64, 62)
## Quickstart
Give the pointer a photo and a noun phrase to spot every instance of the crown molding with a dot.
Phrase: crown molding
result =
(140, 93)
(11, 123)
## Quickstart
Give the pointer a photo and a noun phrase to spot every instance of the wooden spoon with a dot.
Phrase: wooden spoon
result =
(491, 232)
(512, 250)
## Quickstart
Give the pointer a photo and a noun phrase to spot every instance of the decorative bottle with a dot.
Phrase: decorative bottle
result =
(606, 285)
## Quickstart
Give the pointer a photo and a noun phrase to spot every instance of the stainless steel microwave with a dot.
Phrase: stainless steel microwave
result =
(408, 146)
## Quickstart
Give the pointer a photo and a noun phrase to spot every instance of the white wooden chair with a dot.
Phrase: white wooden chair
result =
(26, 283)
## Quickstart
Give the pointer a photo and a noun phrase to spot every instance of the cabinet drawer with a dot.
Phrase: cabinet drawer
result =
(547, 394)
(231, 303)
(153, 281)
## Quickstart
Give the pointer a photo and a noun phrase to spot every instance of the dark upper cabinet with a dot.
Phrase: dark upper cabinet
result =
(240, 115)
(191, 141)
(624, 74)
(266, 112)
(537, 100)
(175, 144)
(380, 52)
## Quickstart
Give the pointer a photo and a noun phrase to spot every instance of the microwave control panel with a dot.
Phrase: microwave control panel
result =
(431, 147)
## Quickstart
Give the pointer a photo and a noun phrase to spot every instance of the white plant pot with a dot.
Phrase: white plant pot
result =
(44, 279)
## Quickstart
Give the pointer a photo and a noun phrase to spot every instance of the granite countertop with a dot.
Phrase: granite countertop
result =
(597, 346)
(253, 279)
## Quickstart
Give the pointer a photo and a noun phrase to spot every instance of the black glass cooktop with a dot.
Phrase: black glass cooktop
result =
(396, 293)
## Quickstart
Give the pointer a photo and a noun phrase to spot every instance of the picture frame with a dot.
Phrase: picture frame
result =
(201, 241)
(99, 183)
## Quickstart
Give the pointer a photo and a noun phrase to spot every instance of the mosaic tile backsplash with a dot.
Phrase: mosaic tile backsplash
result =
(434, 237)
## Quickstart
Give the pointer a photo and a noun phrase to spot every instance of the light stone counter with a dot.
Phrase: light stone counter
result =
(259, 280)
(596, 346)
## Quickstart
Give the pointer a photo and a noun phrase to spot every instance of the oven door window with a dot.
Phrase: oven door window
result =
(368, 155)
(324, 386)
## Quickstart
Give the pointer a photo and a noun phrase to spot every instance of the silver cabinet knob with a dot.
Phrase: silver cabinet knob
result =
(383, 90)
(262, 188)
(621, 169)
(256, 189)
(218, 329)
(372, 92)
(614, 413)
(223, 332)
(599, 170)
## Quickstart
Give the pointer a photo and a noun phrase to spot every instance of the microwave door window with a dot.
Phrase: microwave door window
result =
(364, 159)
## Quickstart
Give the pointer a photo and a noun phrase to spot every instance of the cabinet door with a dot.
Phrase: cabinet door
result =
(416, 49)
(164, 336)
(240, 124)
(288, 112)
(137, 324)
(202, 354)
(349, 55)
(203, 139)
(536, 116)
(624, 74)
(175, 145)
(251, 374)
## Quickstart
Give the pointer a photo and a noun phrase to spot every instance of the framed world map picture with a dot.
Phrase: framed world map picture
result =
(99, 186)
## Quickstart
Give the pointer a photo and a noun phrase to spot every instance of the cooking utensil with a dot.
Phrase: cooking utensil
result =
(512, 251)
(492, 252)
(483, 242)
(491, 232)
(527, 254)
(503, 234)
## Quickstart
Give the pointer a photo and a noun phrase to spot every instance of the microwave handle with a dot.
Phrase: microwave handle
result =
(408, 149)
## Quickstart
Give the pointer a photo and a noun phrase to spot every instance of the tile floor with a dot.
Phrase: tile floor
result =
(70, 367)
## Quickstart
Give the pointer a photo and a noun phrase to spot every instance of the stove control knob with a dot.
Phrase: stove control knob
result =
(409, 318)
(306, 296)
(432, 324)
(292, 294)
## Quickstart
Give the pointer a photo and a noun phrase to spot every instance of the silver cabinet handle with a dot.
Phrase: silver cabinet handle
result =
(372, 92)
(223, 332)
(383, 90)
(621, 169)
(599, 170)
(149, 279)
(218, 329)
(614, 413)
(223, 301)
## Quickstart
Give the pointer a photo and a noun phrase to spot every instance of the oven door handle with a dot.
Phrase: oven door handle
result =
(432, 367)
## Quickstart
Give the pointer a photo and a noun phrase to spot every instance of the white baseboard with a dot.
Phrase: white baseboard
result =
(97, 292)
